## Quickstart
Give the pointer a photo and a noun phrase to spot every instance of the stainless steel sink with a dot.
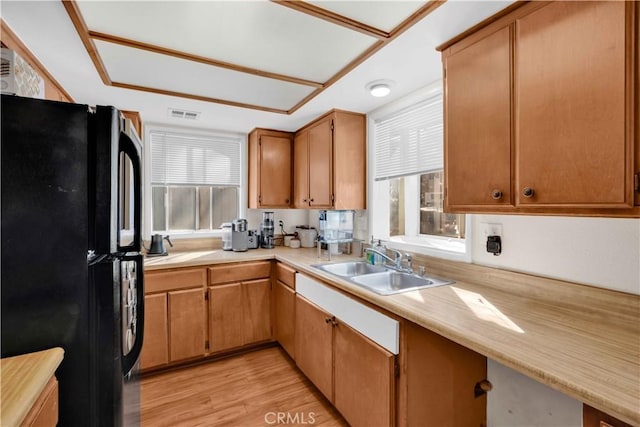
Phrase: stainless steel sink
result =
(379, 279)
(393, 282)
(350, 269)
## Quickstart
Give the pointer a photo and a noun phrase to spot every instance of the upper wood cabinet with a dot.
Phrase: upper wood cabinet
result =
(478, 153)
(541, 110)
(270, 158)
(330, 162)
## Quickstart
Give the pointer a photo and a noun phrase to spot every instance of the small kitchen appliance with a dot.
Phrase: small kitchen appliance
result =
(307, 236)
(157, 247)
(253, 239)
(266, 230)
(239, 235)
(226, 236)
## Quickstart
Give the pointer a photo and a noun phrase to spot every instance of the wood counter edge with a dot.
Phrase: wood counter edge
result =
(14, 410)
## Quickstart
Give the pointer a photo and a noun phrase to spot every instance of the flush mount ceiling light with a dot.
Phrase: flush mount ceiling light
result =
(380, 88)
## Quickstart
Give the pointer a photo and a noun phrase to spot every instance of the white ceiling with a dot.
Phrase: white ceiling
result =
(255, 34)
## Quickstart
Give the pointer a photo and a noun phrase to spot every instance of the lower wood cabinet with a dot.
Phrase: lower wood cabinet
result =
(592, 417)
(187, 319)
(175, 316)
(438, 381)
(314, 345)
(363, 379)
(239, 314)
(284, 308)
(155, 350)
(284, 300)
(355, 373)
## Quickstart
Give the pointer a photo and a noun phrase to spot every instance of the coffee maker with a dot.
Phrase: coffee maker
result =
(266, 230)
(239, 235)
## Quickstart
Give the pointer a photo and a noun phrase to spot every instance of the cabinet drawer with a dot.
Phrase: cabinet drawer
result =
(379, 328)
(163, 281)
(286, 275)
(226, 273)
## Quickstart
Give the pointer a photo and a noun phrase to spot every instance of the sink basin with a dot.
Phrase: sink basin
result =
(350, 269)
(379, 279)
(393, 282)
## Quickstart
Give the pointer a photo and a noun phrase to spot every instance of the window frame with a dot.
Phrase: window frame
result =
(147, 220)
(378, 212)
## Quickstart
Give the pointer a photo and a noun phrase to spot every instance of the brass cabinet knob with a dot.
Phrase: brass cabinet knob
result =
(496, 194)
(528, 192)
(482, 387)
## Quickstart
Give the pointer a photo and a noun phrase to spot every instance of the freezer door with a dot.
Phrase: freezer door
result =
(129, 194)
(118, 186)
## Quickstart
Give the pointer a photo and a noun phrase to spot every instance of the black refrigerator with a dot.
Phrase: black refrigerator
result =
(71, 266)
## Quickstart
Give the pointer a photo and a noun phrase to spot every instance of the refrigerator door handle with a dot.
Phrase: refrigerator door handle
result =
(129, 360)
(132, 150)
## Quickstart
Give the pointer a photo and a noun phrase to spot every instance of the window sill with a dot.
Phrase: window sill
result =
(439, 247)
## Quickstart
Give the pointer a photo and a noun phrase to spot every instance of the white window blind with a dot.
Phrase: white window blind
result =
(181, 159)
(410, 141)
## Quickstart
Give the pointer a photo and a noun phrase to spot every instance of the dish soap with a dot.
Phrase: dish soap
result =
(372, 257)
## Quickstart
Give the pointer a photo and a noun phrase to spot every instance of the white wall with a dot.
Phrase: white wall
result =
(603, 252)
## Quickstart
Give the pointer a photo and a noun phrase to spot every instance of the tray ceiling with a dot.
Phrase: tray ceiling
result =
(265, 55)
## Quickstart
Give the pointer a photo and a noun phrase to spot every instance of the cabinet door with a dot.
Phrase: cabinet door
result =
(314, 334)
(275, 171)
(256, 305)
(155, 348)
(301, 170)
(225, 317)
(364, 379)
(573, 143)
(284, 316)
(438, 381)
(321, 165)
(478, 123)
(186, 324)
(592, 417)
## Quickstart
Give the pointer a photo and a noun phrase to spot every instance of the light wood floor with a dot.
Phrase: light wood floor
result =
(245, 390)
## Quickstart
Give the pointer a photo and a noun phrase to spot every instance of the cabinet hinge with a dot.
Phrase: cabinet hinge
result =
(331, 125)
(206, 296)
(259, 199)
(206, 345)
(636, 182)
(396, 368)
(333, 198)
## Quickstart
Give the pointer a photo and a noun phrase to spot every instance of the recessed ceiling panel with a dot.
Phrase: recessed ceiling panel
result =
(151, 70)
(257, 34)
(383, 15)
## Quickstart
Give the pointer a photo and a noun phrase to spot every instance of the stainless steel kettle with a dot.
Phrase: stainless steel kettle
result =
(157, 245)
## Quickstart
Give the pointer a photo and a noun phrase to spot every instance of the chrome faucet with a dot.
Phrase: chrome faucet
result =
(397, 261)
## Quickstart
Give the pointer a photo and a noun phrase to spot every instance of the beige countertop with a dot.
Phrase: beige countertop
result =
(583, 341)
(23, 378)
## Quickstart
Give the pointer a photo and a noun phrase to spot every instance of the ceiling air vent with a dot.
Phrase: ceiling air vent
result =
(183, 114)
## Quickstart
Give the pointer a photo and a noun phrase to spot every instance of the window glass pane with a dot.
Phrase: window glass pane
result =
(157, 208)
(396, 207)
(225, 205)
(182, 208)
(204, 208)
(432, 218)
